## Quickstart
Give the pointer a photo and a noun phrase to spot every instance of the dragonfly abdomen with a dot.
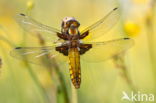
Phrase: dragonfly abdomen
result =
(74, 69)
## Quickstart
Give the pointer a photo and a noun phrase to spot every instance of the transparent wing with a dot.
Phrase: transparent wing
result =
(104, 50)
(101, 27)
(36, 28)
(37, 55)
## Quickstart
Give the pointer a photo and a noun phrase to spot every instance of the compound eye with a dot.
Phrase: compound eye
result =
(67, 24)
(76, 24)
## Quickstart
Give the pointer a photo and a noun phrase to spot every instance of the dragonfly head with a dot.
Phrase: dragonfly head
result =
(71, 25)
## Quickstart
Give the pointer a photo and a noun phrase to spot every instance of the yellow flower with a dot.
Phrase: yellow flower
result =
(30, 5)
(131, 28)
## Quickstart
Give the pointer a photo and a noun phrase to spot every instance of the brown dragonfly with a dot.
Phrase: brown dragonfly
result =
(72, 45)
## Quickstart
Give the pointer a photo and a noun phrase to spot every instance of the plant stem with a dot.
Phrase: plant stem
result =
(31, 73)
(53, 65)
(62, 81)
(120, 63)
(74, 94)
(38, 84)
(17, 93)
(151, 37)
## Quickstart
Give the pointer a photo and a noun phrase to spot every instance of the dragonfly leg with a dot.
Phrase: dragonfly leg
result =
(57, 41)
(84, 35)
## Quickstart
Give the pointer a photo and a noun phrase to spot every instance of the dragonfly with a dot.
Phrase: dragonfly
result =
(70, 42)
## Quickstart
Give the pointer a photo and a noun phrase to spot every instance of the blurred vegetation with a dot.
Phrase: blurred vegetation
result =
(21, 82)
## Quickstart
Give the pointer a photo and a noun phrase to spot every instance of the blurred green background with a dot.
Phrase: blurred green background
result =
(102, 82)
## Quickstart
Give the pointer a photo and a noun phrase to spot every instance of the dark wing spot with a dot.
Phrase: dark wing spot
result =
(22, 14)
(126, 38)
(115, 8)
(18, 47)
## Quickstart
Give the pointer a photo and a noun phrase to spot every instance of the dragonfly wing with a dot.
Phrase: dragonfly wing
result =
(101, 51)
(101, 27)
(32, 26)
(37, 55)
